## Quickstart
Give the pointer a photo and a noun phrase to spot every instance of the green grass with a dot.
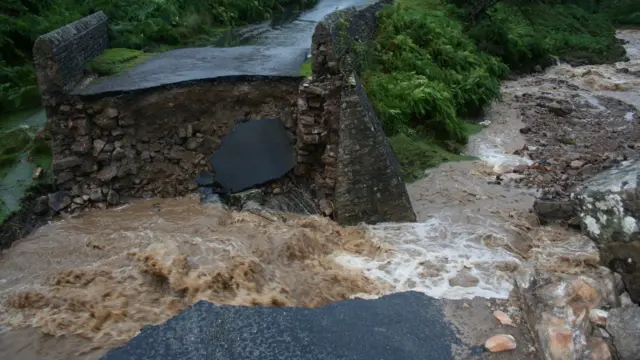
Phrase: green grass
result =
(116, 60)
(416, 153)
(305, 68)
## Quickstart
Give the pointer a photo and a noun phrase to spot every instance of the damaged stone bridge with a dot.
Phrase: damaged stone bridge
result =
(150, 131)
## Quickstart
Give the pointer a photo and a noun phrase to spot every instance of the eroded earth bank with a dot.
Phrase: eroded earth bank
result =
(94, 281)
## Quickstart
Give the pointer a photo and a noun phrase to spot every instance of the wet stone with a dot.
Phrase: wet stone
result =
(624, 326)
(464, 279)
(112, 197)
(96, 195)
(58, 201)
(553, 210)
(98, 145)
(238, 200)
(118, 154)
(557, 341)
(66, 163)
(192, 143)
(608, 203)
(63, 177)
(107, 173)
(499, 343)
(104, 121)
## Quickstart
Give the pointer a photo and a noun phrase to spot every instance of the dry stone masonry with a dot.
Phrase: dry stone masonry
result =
(154, 142)
(60, 56)
(357, 177)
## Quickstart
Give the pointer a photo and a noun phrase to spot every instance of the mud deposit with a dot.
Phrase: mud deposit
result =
(578, 121)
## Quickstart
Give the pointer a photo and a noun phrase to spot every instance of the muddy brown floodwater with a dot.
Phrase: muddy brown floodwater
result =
(80, 286)
(105, 275)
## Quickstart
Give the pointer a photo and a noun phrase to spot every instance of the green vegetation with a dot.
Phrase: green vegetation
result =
(415, 154)
(133, 24)
(23, 141)
(116, 60)
(18, 145)
(524, 36)
(435, 63)
(305, 68)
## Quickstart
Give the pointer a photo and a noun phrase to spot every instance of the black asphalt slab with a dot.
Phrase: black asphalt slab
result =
(402, 326)
(276, 50)
(191, 64)
(255, 152)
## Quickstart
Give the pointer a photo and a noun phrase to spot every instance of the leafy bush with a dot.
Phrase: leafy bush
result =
(426, 74)
(623, 12)
(527, 33)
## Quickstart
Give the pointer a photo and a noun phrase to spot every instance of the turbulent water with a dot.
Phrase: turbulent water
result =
(96, 280)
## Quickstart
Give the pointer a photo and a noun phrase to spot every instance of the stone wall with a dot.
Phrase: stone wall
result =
(61, 56)
(341, 144)
(153, 143)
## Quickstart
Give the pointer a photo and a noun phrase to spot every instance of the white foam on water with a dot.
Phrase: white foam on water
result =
(629, 116)
(496, 157)
(425, 256)
(591, 100)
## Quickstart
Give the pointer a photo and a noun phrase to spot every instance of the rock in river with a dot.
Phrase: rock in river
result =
(608, 206)
(255, 152)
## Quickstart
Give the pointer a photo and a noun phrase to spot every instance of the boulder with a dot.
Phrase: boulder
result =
(553, 210)
(624, 326)
(609, 205)
(58, 201)
(238, 200)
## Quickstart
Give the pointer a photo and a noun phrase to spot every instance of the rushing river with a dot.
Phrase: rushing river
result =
(95, 280)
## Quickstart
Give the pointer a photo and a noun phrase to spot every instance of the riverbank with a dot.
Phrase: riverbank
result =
(434, 64)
